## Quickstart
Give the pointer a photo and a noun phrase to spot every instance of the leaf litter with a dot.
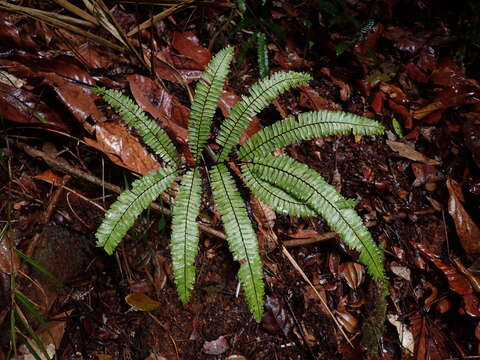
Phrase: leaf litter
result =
(419, 195)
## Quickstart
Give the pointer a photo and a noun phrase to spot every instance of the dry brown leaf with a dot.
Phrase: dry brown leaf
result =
(141, 302)
(122, 148)
(9, 260)
(50, 177)
(353, 273)
(406, 151)
(456, 281)
(467, 231)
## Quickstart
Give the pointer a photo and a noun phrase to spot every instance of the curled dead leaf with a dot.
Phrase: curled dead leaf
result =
(347, 320)
(353, 273)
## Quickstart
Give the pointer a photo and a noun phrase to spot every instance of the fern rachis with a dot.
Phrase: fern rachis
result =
(289, 187)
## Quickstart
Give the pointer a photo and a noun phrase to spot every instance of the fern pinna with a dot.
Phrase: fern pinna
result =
(286, 185)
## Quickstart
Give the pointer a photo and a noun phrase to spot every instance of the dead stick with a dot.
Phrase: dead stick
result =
(63, 166)
(312, 240)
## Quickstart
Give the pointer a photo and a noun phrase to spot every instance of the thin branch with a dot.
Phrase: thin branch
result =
(63, 166)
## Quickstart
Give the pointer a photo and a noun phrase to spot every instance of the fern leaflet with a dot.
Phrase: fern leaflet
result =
(123, 212)
(152, 134)
(260, 96)
(304, 127)
(262, 54)
(241, 237)
(279, 200)
(307, 185)
(185, 233)
(207, 94)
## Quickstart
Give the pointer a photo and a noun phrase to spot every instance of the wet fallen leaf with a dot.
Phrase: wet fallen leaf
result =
(407, 151)
(456, 281)
(50, 177)
(430, 342)
(304, 234)
(288, 58)
(78, 98)
(150, 96)
(215, 347)
(430, 300)
(428, 109)
(443, 306)
(170, 73)
(227, 100)
(471, 134)
(158, 103)
(474, 279)
(22, 106)
(141, 302)
(122, 148)
(188, 45)
(467, 231)
(347, 320)
(415, 73)
(394, 92)
(96, 57)
(276, 318)
(377, 103)
(425, 174)
(471, 305)
(404, 113)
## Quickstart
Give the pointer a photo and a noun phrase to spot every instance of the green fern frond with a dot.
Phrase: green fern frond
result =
(260, 96)
(152, 134)
(207, 94)
(185, 233)
(304, 127)
(241, 237)
(279, 200)
(123, 212)
(262, 54)
(307, 185)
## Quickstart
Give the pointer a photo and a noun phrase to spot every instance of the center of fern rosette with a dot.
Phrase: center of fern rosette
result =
(282, 183)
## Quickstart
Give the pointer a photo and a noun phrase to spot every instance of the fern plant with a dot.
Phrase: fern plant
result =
(284, 184)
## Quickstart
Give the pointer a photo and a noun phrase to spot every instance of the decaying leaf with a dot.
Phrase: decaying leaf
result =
(216, 347)
(347, 320)
(122, 148)
(353, 273)
(141, 302)
(467, 231)
(406, 151)
(457, 281)
(404, 334)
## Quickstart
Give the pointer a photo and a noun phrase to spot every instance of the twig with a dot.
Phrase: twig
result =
(312, 240)
(307, 280)
(159, 16)
(63, 166)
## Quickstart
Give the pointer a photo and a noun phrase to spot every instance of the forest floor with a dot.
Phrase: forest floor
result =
(65, 156)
